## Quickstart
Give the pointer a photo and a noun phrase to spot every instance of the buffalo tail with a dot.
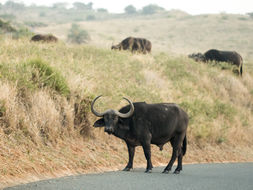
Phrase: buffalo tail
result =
(184, 145)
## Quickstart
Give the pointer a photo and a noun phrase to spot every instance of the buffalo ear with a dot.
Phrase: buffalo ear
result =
(124, 125)
(99, 123)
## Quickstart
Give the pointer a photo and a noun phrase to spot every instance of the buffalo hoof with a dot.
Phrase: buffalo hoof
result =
(166, 171)
(177, 172)
(127, 169)
(148, 171)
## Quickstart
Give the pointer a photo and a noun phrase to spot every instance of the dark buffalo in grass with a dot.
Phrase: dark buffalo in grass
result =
(231, 57)
(44, 38)
(142, 124)
(133, 44)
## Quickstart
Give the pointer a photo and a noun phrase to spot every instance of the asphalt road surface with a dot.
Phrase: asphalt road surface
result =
(233, 176)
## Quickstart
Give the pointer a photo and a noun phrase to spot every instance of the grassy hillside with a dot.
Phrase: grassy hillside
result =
(46, 124)
(171, 32)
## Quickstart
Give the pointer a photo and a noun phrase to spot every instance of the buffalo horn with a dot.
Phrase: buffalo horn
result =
(122, 115)
(94, 111)
(128, 114)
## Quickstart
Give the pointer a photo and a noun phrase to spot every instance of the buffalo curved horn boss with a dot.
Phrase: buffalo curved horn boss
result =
(122, 115)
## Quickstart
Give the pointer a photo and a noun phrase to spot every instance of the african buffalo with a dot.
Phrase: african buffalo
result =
(231, 57)
(142, 124)
(44, 38)
(134, 45)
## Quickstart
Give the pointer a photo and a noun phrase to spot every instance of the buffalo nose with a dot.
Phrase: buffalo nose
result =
(109, 130)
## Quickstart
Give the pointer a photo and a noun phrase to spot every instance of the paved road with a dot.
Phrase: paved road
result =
(237, 176)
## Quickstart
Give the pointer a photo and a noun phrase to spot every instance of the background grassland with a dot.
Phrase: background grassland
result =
(172, 32)
(46, 89)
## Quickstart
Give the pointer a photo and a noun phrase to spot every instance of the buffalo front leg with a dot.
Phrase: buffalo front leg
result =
(147, 152)
(131, 151)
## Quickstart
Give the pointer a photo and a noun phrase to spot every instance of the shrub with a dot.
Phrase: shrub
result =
(130, 9)
(77, 35)
(35, 74)
(45, 76)
(151, 9)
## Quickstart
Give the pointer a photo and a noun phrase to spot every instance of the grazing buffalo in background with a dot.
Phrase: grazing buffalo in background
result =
(44, 38)
(142, 124)
(134, 45)
(220, 56)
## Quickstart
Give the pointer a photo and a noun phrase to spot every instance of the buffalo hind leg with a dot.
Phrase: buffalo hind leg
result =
(179, 162)
(131, 151)
(176, 143)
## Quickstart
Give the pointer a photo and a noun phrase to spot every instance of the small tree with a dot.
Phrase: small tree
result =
(77, 35)
(151, 9)
(130, 9)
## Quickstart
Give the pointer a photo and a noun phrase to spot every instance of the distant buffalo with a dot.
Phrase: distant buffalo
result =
(44, 38)
(231, 57)
(141, 45)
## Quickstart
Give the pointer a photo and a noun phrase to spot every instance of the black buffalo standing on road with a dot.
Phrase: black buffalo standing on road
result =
(220, 56)
(134, 45)
(44, 38)
(141, 124)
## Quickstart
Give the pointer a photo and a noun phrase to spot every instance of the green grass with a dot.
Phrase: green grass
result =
(34, 74)
(44, 75)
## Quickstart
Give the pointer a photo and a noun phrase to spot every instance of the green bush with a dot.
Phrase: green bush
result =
(151, 9)
(77, 35)
(45, 76)
(33, 75)
(130, 9)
